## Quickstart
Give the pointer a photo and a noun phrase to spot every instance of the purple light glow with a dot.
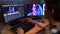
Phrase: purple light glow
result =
(9, 9)
(34, 9)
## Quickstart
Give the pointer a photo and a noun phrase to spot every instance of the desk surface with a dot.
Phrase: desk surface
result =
(34, 30)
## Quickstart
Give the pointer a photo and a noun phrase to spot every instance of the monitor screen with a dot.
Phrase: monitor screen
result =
(12, 12)
(35, 9)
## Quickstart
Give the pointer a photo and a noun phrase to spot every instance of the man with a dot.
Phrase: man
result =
(53, 8)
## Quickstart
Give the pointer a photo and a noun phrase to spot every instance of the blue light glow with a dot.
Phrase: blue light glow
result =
(36, 10)
(11, 9)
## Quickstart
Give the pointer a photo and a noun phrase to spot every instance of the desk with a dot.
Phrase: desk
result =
(34, 30)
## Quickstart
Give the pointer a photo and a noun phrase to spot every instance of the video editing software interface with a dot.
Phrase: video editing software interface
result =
(12, 12)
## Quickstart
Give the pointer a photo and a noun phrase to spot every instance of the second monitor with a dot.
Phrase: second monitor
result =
(35, 9)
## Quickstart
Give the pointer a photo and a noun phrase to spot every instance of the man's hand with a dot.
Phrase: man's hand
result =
(20, 31)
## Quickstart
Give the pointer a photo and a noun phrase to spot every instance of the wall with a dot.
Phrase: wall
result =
(21, 1)
(18, 1)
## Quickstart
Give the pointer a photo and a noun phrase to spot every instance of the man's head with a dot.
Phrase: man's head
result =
(55, 5)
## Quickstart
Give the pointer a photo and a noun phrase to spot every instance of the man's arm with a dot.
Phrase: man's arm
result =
(40, 24)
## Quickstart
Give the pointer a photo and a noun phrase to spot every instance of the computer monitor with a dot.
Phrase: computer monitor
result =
(12, 12)
(35, 9)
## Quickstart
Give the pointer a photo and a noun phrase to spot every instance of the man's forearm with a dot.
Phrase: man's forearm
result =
(40, 24)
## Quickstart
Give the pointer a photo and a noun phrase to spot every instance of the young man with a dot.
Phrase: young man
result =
(53, 13)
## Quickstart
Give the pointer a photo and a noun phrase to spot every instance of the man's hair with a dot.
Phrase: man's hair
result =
(51, 3)
(54, 4)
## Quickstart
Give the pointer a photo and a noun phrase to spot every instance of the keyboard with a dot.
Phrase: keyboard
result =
(24, 25)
